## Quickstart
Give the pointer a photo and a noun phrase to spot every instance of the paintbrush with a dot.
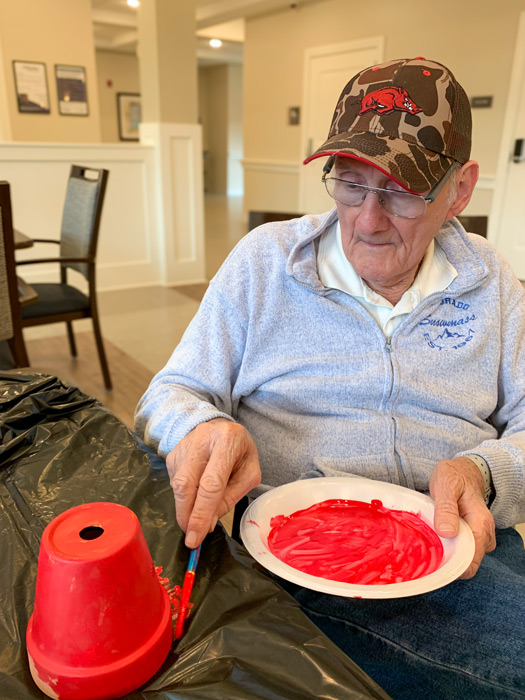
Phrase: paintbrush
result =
(187, 587)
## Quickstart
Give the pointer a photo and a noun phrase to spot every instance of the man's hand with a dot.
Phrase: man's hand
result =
(457, 487)
(211, 469)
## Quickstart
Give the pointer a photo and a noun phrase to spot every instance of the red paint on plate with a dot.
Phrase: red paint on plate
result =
(356, 542)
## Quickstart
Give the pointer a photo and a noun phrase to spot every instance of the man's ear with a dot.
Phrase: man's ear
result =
(466, 178)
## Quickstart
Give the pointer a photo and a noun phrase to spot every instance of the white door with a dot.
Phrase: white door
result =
(507, 216)
(327, 69)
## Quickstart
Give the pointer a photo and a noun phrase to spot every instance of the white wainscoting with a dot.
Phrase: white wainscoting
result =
(179, 199)
(235, 178)
(270, 185)
(135, 246)
(274, 186)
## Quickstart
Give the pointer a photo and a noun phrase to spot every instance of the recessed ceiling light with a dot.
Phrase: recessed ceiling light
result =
(133, 3)
(215, 43)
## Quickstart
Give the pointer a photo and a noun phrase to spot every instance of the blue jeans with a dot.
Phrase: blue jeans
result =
(464, 641)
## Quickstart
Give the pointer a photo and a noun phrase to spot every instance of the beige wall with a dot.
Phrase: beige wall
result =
(168, 61)
(51, 32)
(202, 110)
(235, 131)
(475, 38)
(117, 72)
(220, 113)
(215, 125)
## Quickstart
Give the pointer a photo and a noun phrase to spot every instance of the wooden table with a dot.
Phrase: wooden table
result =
(26, 293)
(21, 240)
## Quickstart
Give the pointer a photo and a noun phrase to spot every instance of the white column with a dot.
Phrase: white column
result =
(179, 188)
(168, 76)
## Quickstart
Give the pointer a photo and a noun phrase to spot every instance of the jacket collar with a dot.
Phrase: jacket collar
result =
(460, 252)
(452, 237)
(302, 261)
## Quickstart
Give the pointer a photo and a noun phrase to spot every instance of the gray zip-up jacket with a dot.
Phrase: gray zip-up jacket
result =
(310, 374)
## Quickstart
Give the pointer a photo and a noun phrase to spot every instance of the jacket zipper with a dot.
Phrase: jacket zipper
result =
(401, 474)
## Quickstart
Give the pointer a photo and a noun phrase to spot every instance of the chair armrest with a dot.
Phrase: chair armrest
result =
(58, 260)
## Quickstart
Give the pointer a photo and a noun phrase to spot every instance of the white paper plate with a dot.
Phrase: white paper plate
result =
(287, 499)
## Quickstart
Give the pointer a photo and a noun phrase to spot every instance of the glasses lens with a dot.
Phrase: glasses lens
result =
(345, 192)
(403, 204)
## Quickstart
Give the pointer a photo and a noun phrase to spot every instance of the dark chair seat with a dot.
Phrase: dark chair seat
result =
(56, 299)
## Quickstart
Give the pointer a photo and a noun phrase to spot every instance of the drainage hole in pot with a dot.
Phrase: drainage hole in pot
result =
(91, 532)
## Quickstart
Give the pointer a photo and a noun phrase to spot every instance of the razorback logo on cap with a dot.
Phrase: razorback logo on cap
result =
(389, 99)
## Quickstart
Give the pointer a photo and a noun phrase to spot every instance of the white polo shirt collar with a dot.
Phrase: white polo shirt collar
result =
(335, 271)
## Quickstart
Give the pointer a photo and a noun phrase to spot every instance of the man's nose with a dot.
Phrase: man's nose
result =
(372, 215)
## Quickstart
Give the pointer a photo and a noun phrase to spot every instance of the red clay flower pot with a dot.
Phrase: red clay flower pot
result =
(101, 625)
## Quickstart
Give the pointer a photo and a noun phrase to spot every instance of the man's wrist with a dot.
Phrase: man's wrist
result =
(489, 491)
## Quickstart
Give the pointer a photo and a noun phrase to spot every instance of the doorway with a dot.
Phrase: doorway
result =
(327, 69)
(507, 217)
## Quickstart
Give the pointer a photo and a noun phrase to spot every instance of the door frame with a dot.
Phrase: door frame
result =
(517, 77)
(374, 43)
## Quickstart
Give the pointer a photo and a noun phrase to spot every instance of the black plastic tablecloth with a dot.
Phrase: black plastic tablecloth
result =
(245, 638)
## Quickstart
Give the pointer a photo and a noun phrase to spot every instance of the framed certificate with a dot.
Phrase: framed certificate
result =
(72, 90)
(31, 87)
(129, 115)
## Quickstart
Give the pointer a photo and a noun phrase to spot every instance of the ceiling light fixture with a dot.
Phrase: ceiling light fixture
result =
(215, 43)
(133, 3)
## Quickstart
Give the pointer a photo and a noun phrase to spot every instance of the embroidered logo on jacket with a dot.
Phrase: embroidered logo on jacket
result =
(449, 334)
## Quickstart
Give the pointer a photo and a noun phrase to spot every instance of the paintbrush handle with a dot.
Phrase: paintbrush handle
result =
(194, 559)
(187, 587)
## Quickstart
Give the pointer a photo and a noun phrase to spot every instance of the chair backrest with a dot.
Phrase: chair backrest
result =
(475, 224)
(256, 218)
(9, 303)
(81, 216)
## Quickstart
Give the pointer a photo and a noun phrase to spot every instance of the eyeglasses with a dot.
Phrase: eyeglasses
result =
(403, 204)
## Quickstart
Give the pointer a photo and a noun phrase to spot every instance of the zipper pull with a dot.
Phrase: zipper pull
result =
(388, 344)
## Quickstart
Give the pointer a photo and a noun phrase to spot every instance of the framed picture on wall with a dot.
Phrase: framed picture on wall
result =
(129, 115)
(31, 87)
(72, 90)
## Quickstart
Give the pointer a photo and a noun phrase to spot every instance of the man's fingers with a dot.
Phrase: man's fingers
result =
(210, 470)
(484, 531)
(457, 488)
(218, 493)
(210, 494)
(447, 487)
(480, 543)
(446, 513)
(185, 473)
(474, 566)
(186, 464)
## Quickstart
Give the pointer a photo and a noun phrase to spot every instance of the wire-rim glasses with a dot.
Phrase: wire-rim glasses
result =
(406, 205)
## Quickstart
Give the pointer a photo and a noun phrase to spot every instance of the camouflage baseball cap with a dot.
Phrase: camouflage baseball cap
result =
(409, 118)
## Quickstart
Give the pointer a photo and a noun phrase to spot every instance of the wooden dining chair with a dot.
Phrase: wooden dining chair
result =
(10, 307)
(61, 301)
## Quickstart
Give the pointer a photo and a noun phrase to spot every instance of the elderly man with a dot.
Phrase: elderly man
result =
(378, 339)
